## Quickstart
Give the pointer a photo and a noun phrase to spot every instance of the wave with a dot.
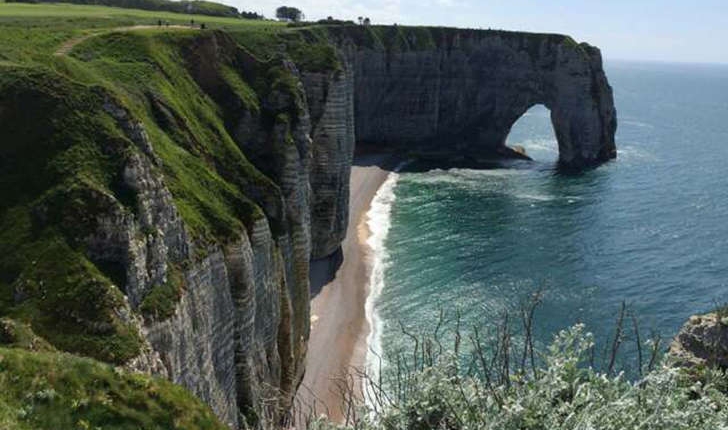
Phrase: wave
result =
(536, 197)
(544, 145)
(462, 177)
(636, 123)
(547, 197)
(634, 153)
(379, 221)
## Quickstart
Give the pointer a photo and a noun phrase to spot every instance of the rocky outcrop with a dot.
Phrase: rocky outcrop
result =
(455, 94)
(702, 341)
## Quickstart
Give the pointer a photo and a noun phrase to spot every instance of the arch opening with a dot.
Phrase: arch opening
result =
(534, 132)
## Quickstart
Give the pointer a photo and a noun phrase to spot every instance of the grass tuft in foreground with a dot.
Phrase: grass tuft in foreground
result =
(42, 390)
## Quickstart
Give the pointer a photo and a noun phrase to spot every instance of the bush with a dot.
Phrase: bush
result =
(564, 394)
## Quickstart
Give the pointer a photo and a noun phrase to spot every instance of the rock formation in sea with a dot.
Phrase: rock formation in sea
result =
(187, 206)
(457, 93)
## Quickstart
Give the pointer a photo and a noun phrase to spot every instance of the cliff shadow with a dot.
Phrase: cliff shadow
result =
(366, 156)
(323, 270)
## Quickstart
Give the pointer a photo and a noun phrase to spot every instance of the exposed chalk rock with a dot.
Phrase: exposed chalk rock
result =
(459, 94)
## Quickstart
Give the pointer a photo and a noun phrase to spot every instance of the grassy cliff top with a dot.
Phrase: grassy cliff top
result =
(200, 7)
(30, 32)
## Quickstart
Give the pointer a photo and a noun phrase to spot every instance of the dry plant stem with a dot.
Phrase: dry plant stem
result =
(618, 335)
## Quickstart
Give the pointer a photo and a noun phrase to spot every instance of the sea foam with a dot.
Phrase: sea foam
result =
(379, 222)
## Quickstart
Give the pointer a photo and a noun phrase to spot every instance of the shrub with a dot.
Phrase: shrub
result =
(564, 394)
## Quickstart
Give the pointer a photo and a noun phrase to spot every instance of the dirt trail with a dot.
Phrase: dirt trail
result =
(70, 43)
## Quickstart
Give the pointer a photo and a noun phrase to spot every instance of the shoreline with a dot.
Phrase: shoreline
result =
(338, 341)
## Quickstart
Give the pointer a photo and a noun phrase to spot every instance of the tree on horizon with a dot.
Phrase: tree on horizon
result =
(289, 13)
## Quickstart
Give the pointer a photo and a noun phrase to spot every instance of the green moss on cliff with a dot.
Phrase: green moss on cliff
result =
(67, 300)
(205, 170)
(242, 89)
(311, 50)
(309, 47)
(160, 303)
(60, 391)
(406, 38)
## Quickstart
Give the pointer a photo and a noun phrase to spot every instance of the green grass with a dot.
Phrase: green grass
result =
(197, 6)
(31, 32)
(54, 177)
(15, 334)
(160, 303)
(46, 390)
(108, 14)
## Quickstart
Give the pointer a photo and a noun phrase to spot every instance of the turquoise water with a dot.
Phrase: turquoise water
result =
(650, 229)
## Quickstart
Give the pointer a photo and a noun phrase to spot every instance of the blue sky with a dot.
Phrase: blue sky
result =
(653, 30)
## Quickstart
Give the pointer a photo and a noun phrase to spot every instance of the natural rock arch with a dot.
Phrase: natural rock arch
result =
(533, 133)
(460, 97)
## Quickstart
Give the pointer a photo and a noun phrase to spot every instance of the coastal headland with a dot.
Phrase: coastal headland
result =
(166, 189)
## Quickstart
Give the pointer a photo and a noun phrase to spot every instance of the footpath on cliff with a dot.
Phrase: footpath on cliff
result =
(66, 47)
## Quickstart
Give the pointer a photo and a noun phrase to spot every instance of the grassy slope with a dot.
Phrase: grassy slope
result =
(33, 32)
(49, 390)
(197, 6)
(85, 12)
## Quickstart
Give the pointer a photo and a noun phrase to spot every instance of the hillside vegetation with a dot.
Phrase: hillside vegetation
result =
(51, 390)
(76, 152)
(191, 7)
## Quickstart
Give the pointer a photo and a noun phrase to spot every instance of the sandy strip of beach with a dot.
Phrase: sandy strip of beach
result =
(339, 327)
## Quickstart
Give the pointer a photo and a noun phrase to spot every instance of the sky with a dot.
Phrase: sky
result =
(648, 30)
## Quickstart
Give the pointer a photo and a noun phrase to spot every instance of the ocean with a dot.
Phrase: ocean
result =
(649, 229)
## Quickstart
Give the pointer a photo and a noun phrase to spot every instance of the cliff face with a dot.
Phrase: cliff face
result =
(457, 93)
(184, 184)
(186, 202)
(330, 96)
(237, 336)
